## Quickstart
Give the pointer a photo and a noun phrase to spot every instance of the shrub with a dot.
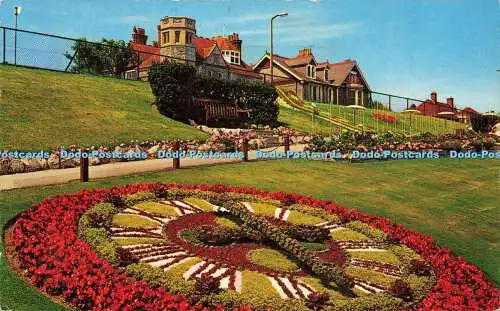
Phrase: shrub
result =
(420, 268)
(174, 85)
(401, 289)
(217, 235)
(206, 285)
(98, 215)
(317, 301)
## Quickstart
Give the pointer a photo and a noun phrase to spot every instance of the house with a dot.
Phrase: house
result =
(337, 83)
(432, 107)
(219, 57)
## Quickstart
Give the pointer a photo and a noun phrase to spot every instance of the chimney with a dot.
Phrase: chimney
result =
(234, 39)
(139, 36)
(434, 96)
(305, 52)
(450, 102)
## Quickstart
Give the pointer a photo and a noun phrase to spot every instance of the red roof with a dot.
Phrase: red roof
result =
(469, 110)
(148, 58)
(431, 108)
(224, 44)
(204, 46)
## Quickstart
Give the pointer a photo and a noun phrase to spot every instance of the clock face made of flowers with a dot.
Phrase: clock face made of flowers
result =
(221, 248)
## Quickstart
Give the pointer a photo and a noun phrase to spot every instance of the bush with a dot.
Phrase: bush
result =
(402, 290)
(98, 215)
(175, 85)
(217, 235)
(420, 268)
(206, 285)
(317, 301)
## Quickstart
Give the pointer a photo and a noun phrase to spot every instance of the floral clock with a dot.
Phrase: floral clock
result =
(166, 247)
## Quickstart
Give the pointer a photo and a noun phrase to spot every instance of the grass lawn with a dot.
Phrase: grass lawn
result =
(302, 122)
(417, 124)
(42, 109)
(455, 201)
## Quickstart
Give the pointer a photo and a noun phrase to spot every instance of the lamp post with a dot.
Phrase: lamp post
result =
(271, 40)
(17, 11)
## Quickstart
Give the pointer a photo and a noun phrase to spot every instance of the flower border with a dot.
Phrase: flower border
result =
(56, 261)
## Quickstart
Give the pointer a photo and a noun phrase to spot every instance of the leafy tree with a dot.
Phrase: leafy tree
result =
(112, 57)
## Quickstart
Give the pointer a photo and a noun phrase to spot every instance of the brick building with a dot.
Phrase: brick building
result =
(177, 40)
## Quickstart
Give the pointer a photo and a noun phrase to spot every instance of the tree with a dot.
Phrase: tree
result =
(112, 57)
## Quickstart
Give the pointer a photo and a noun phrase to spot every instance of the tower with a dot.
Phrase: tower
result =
(176, 38)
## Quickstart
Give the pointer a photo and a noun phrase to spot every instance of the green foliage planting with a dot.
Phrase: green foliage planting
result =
(371, 232)
(132, 199)
(385, 257)
(371, 276)
(309, 210)
(157, 208)
(98, 215)
(344, 234)
(111, 57)
(137, 240)
(175, 85)
(314, 247)
(102, 244)
(380, 301)
(272, 259)
(135, 221)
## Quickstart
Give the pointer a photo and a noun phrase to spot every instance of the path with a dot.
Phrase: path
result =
(61, 176)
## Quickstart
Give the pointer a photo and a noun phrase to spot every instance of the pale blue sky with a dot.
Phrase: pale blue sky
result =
(405, 47)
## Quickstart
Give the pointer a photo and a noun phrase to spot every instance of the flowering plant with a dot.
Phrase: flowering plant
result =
(56, 261)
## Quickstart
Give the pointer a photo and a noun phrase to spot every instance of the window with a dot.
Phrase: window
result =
(311, 71)
(166, 37)
(177, 36)
(131, 74)
(326, 74)
(189, 37)
(232, 57)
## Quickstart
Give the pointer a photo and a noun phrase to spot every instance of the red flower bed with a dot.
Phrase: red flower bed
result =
(385, 117)
(58, 262)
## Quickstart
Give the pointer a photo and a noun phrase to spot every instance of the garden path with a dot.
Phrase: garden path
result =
(61, 176)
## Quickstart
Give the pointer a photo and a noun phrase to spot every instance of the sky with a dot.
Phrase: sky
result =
(403, 47)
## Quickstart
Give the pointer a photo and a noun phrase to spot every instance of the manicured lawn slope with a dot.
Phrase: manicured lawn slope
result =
(455, 201)
(41, 109)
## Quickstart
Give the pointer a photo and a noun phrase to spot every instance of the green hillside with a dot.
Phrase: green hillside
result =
(42, 109)
(343, 118)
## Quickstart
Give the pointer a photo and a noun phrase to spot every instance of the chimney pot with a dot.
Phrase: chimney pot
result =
(434, 96)
(450, 102)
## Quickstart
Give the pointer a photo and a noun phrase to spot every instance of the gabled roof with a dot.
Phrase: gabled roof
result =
(299, 61)
(150, 55)
(224, 44)
(243, 70)
(338, 72)
(204, 47)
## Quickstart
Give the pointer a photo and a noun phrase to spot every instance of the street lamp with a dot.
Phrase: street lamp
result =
(17, 11)
(271, 39)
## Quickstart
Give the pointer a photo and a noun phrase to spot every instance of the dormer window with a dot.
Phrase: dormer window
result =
(311, 71)
(326, 74)
(232, 57)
